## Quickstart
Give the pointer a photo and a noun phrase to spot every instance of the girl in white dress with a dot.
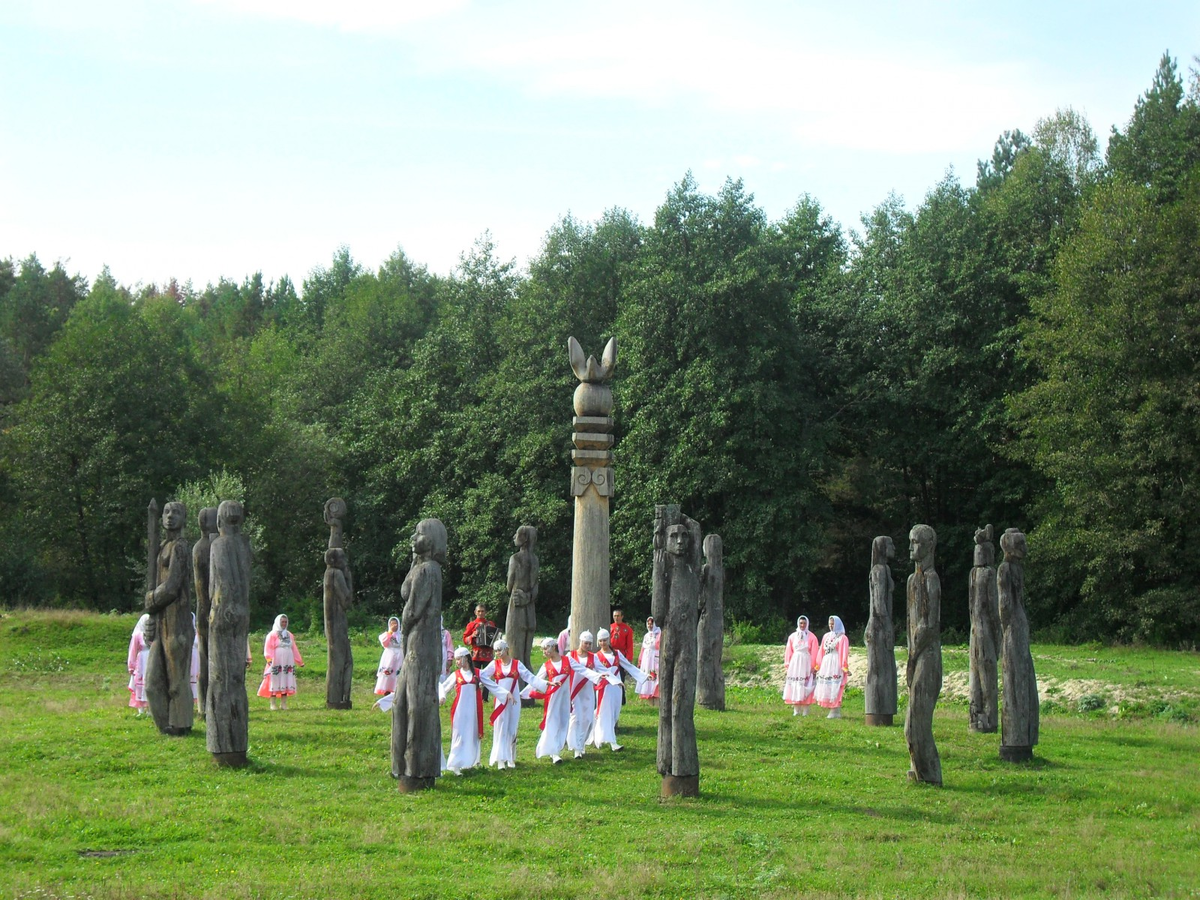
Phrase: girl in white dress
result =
(283, 656)
(609, 663)
(555, 673)
(502, 677)
(648, 662)
(391, 660)
(466, 714)
(833, 668)
(800, 662)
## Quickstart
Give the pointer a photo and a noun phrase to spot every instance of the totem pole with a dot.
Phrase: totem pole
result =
(591, 486)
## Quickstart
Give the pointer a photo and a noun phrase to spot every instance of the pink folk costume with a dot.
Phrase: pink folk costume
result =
(833, 660)
(391, 660)
(799, 659)
(139, 652)
(279, 677)
(648, 662)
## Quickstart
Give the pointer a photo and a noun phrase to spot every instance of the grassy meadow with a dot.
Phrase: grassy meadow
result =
(95, 803)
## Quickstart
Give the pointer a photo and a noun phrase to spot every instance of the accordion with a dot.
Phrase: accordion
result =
(485, 635)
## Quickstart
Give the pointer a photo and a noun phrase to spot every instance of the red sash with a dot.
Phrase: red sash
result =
(604, 681)
(500, 676)
(591, 664)
(564, 669)
(459, 681)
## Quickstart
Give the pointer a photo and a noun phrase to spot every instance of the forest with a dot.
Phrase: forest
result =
(1022, 351)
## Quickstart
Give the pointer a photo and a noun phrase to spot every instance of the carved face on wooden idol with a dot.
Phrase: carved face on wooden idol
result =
(678, 540)
(173, 516)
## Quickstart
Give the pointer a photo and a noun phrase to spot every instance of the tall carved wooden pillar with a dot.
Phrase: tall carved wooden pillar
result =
(591, 486)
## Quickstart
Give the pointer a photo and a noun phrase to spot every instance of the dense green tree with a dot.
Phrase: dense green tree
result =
(1161, 144)
(114, 416)
(1113, 418)
(718, 408)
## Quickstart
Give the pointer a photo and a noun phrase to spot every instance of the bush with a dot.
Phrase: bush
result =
(773, 630)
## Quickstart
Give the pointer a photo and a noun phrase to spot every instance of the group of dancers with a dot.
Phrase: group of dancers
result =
(816, 672)
(582, 694)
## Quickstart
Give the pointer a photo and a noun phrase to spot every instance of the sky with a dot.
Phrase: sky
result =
(195, 139)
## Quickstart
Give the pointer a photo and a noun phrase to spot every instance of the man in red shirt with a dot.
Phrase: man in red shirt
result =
(478, 636)
(621, 638)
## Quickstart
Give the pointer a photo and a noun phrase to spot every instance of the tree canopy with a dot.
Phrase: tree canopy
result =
(1022, 351)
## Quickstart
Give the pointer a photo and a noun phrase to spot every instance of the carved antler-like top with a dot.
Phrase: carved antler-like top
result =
(589, 370)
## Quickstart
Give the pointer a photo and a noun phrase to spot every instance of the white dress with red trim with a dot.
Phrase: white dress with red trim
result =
(556, 710)
(608, 695)
(584, 679)
(503, 681)
(466, 718)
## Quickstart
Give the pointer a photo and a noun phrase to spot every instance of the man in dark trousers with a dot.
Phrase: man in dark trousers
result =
(478, 636)
(621, 638)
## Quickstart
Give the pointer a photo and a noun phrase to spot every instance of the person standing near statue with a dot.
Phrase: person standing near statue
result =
(479, 635)
(621, 639)
(207, 520)
(169, 602)
(799, 663)
(833, 668)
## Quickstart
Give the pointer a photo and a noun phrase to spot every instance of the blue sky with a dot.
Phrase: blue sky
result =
(201, 138)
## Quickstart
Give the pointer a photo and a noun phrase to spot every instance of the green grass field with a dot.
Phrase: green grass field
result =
(94, 803)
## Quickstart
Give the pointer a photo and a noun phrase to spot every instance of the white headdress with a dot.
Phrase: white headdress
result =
(586, 636)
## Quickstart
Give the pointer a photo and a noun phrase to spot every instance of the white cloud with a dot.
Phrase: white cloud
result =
(347, 15)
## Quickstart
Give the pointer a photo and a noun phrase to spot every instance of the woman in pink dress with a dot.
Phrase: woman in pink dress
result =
(648, 662)
(800, 662)
(195, 664)
(833, 668)
(391, 660)
(139, 652)
(283, 656)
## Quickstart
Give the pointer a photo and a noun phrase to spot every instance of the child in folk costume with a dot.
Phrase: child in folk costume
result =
(609, 664)
(391, 660)
(555, 674)
(139, 652)
(648, 662)
(833, 668)
(799, 660)
(283, 656)
(195, 664)
(584, 677)
(466, 714)
(502, 676)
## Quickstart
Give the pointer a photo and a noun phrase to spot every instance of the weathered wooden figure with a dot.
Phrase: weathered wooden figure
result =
(416, 726)
(1019, 722)
(924, 657)
(879, 696)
